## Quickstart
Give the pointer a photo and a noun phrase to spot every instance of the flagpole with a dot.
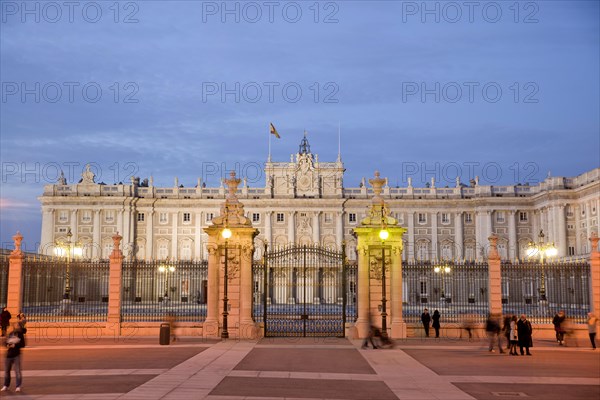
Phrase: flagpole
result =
(269, 159)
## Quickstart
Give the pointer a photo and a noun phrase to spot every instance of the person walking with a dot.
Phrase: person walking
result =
(492, 328)
(559, 326)
(592, 321)
(436, 323)
(513, 336)
(14, 343)
(506, 329)
(426, 320)
(22, 321)
(369, 338)
(524, 332)
(5, 317)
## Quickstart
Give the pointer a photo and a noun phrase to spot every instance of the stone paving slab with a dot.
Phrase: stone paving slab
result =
(540, 364)
(303, 388)
(79, 385)
(502, 391)
(312, 360)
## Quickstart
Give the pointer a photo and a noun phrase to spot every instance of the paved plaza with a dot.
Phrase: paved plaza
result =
(302, 368)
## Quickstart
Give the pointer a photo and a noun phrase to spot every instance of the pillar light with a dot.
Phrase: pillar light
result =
(226, 233)
(384, 234)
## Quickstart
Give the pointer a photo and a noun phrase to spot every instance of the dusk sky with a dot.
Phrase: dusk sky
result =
(507, 91)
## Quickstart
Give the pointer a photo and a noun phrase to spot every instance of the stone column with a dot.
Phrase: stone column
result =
(595, 275)
(588, 219)
(115, 282)
(458, 236)
(211, 323)
(339, 229)
(411, 236)
(562, 231)
(513, 245)
(494, 277)
(292, 227)
(247, 325)
(150, 235)
(398, 326)
(96, 242)
(47, 238)
(434, 236)
(174, 234)
(14, 298)
(316, 227)
(479, 229)
(74, 224)
(577, 210)
(268, 234)
(363, 320)
(198, 236)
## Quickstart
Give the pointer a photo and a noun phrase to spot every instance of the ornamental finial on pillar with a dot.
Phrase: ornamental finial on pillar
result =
(18, 238)
(594, 239)
(377, 184)
(232, 185)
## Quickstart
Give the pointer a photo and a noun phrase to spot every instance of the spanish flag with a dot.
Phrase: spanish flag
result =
(273, 131)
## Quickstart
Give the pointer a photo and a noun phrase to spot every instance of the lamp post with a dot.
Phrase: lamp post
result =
(543, 250)
(69, 250)
(226, 234)
(445, 269)
(166, 269)
(383, 235)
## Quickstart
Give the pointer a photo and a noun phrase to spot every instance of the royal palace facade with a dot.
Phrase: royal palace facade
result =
(304, 201)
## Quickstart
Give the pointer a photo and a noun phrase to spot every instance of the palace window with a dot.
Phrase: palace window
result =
(163, 218)
(280, 217)
(422, 218)
(140, 217)
(187, 217)
(468, 218)
(63, 216)
(523, 216)
(328, 218)
(209, 217)
(352, 218)
(109, 216)
(445, 218)
(86, 217)
(500, 216)
(571, 251)
(255, 217)
(569, 211)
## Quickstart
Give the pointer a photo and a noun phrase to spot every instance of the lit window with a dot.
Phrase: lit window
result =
(422, 218)
(468, 218)
(500, 216)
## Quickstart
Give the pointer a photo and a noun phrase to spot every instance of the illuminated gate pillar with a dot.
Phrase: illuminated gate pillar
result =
(230, 253)
(373, 252)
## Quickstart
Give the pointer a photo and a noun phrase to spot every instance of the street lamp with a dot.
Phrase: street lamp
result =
(445, 269)
(383, 235)
(166, 269)
(226, 234)
(68, 249)
(543, 250)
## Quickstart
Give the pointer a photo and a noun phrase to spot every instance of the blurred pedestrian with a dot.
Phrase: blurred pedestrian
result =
(22, 321)
(506, 329)
(436, 322)
(369, 338)
(524, 331)
(5, 317)
(559, 321)
(13, 343)
(592, 321)
(514, 336)
(492, 328)
(426, 320)
(468, 324)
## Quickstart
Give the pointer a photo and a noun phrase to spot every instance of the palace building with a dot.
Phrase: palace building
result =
(304, 201)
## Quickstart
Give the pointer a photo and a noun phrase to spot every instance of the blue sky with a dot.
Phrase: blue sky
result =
(501, 91)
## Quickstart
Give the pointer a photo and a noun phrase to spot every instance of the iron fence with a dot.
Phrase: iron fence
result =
(155, 291)
(458, 290)
(3, 280)
(541, 290)
(62, 290)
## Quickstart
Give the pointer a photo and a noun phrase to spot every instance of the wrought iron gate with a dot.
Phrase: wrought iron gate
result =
(308, 290)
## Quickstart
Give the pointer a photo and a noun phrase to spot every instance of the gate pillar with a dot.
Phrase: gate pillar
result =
(379, 260)
(231, 249)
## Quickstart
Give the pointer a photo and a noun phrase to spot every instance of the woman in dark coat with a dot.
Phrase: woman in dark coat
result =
(436, 323)
(524, 329)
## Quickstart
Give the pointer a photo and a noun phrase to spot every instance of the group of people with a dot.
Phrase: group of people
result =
(517, 331)
(14, 341)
